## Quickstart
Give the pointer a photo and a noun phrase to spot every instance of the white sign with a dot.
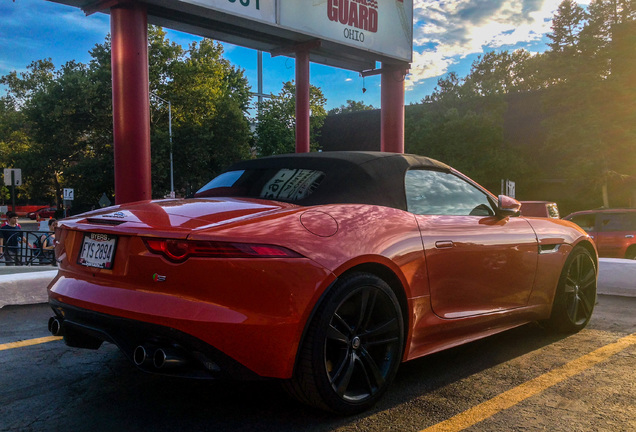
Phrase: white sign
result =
(510, 188)
(384, 27)
(69, 194)
(17, 176)
(259, 10)
(381, 26)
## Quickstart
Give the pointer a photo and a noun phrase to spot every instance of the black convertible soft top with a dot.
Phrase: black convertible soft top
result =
(375, 178)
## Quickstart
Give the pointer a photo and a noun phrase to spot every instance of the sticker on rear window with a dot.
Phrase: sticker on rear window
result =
(292, 184)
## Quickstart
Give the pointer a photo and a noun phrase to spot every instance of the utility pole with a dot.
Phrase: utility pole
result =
(172, 194)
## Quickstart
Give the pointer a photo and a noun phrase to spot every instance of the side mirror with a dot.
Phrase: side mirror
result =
(508, 206)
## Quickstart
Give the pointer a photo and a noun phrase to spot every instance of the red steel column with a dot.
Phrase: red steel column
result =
(131, 105)
(392, 110)
(302, 101)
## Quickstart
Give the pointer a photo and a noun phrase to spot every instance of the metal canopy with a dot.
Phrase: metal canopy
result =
(201, 21)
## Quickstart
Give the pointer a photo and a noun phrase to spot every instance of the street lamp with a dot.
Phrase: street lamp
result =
(172, 195)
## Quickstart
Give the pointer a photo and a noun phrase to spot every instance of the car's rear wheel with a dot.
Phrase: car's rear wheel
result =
(576, 293)
(352, 348)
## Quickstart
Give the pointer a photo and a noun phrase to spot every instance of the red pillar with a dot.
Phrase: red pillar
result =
(302, 101)
(392, 110)
(131, 106)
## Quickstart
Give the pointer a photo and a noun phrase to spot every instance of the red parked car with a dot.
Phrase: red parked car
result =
(322, 270)
(43, 213)
(613, 230)
(540, 209)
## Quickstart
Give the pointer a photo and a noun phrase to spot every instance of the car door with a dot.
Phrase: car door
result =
(615, 233)
(477, 262)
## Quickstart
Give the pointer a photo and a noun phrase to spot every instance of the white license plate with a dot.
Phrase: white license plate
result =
(98, 250)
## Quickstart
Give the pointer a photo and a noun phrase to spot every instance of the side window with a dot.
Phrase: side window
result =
(585, 221)
(438, 193)
(617, 222)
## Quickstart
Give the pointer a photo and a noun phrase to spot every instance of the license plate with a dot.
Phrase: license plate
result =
(98, 250)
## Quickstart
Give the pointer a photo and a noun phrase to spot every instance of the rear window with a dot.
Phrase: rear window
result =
(553, 211)
(286, 184)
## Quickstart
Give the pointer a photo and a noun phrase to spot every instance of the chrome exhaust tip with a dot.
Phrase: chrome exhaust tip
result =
(165, 358)
(55, 326)
(141, 355)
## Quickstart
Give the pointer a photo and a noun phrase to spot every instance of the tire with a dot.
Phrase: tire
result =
(631, 254)
(352, 349)
(575, 296)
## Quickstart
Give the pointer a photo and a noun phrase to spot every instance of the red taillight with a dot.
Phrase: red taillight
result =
(181, 250)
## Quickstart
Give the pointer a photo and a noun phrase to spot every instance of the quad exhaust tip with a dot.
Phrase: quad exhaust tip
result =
(160, 358)
(55, 326)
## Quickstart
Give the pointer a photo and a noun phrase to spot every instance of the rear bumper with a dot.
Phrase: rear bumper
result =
(200, 359)
(250, 331)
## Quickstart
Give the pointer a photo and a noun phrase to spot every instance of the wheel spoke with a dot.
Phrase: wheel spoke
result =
(579, 264)
(589, 279)
(372, 372)
(367, 305)
(573, 308)
(342, 377)
(390, 329)
(586, 306)
(336, 335)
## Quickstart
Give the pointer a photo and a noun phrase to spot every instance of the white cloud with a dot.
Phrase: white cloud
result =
(446, 31)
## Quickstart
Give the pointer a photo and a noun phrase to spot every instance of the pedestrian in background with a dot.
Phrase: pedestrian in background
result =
(11, 239)
(47, 241)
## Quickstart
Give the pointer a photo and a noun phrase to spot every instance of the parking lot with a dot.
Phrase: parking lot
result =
(523, 380)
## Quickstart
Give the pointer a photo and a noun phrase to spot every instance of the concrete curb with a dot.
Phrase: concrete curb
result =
(617, 277)
(25, 288)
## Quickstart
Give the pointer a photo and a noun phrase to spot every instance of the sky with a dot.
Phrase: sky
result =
(448, 36)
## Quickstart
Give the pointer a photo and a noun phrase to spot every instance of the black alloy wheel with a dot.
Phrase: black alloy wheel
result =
(576, 294)
(353, 347)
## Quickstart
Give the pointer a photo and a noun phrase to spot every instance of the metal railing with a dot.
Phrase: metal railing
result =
(27, 248)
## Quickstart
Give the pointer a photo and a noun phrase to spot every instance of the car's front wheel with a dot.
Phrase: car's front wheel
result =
(576, 293)
(352, 348)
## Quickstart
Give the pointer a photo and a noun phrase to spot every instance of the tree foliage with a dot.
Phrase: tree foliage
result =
(56, 125)
(276, 128)
(588, 102)
(351, 106)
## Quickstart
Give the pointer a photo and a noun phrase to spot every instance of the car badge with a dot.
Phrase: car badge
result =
(118, 215)
(158, 278)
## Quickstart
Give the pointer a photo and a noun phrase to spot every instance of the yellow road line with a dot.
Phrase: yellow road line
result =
(531, 388)
(29, 342)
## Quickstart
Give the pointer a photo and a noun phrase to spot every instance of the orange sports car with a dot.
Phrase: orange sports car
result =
(322, 270)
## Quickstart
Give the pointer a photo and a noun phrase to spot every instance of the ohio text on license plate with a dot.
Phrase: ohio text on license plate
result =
(98, 250)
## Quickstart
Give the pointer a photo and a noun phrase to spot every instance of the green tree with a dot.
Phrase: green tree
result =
(57, 107)
(591, 110)
(277, 120)
(57, 124)
(351, 106)
(209, 99)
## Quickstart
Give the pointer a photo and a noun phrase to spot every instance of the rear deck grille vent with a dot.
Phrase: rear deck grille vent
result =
(104, 221)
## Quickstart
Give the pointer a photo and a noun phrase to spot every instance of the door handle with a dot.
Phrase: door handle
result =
(629, 236)
(443, 244)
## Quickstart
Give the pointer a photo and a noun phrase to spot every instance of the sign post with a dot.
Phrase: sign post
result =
(13, 178)
(69, 194)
